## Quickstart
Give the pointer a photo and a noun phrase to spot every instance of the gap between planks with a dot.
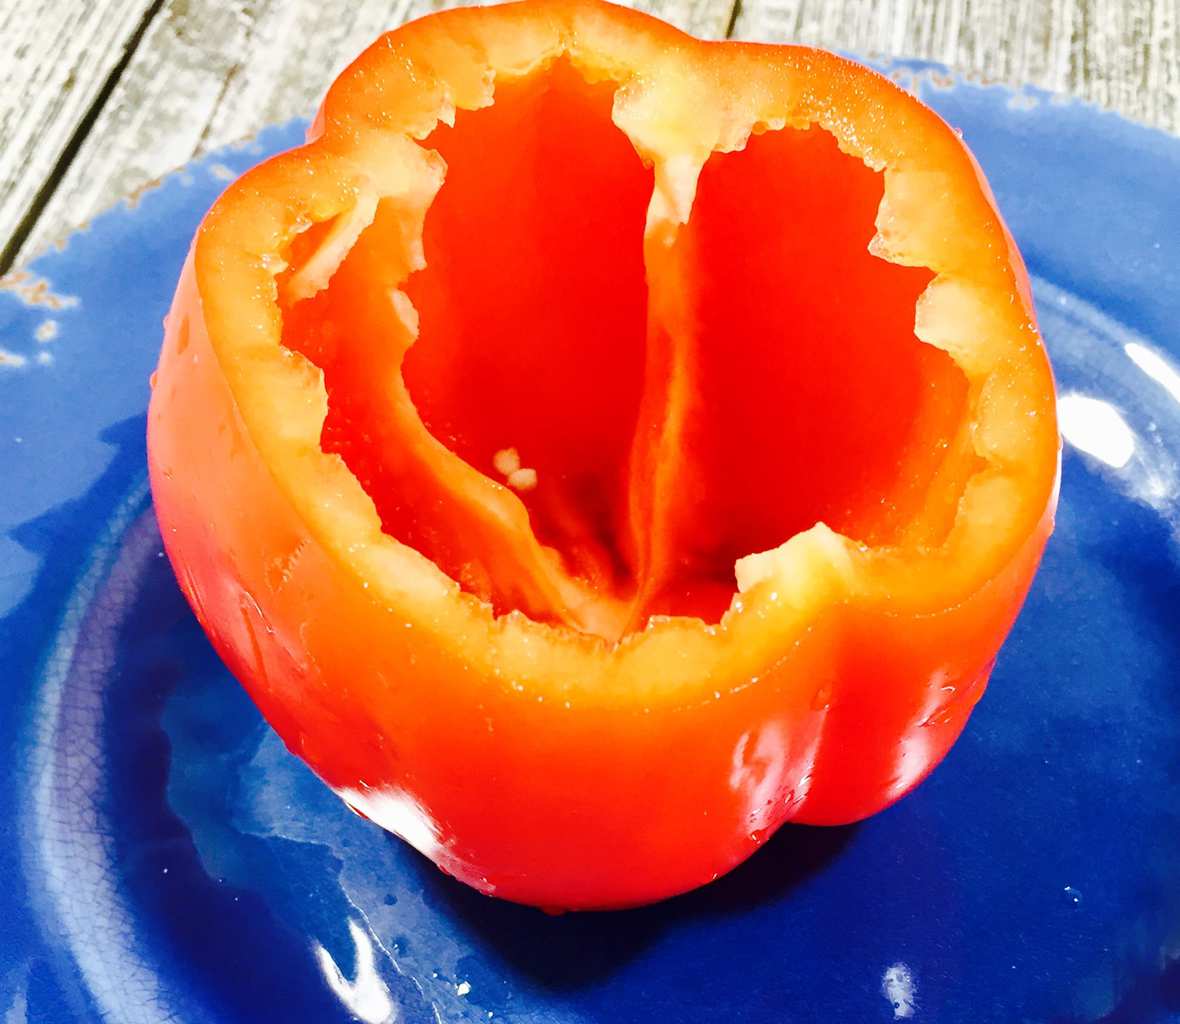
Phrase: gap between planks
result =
(59, 63)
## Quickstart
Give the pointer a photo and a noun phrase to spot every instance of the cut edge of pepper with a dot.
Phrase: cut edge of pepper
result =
(1013, 428)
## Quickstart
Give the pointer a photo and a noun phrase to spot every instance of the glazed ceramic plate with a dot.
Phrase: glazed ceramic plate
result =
(163, 858)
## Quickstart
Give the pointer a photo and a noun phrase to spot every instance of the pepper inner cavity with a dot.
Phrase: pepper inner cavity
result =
(592, 438)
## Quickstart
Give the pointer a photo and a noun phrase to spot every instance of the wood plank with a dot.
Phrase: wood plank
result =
(55, 61)
(208, 73)
(1118, 54)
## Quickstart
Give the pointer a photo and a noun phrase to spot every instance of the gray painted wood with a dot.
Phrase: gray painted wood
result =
(97, 99)
(1121, 54)
(55, 59)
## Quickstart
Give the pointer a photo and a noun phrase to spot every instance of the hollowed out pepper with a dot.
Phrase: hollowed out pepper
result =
(597, 447)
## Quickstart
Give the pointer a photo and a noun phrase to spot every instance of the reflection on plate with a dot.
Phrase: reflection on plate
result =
(167, 860)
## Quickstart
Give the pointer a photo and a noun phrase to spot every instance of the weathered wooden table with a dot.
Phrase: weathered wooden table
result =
(100, 97)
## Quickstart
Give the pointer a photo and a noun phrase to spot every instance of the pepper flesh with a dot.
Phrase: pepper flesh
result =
(749, 324)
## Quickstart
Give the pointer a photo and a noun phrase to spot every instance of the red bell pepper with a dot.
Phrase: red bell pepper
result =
(597, 447)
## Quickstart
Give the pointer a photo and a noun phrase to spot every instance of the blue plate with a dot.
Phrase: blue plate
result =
(164, 859)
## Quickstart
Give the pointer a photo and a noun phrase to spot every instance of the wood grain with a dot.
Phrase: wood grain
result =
(78, 130)
(210, 72)
(56, 59)
(1121, 54)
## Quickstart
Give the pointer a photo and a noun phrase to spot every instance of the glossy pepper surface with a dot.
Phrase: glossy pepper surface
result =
(597, 447)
